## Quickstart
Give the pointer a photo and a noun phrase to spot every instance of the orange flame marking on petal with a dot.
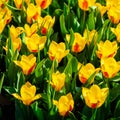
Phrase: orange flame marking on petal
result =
(85, 4)
(43, 3)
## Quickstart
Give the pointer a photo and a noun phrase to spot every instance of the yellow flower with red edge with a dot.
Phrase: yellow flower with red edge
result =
(86, 71)
(116, 31)
(35, 42)
(43, 3)
(65, 104)
(90, 36)
(78, 43)
(107, 49)
(33, 12)
(18, 3)
(27, 94)
(58, 80)
(94, 97)
(57, 51)
(85, 4)
(27, 63)
(110, 67)
(45, 23)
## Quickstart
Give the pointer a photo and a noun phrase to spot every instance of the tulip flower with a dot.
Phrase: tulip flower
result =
(58, 80)
(57, 51)
(85, 4)
(35, 42)
(110, 67)
(65, 104)
(30, 30)
(27, 63)
(78, 43)
(86, 71)
(43, 3)
(27, 93)
(18, 3)
(90, 36)
(94, 97)
(46, 23)
(107, 49)
(116, 31)
(33, 13)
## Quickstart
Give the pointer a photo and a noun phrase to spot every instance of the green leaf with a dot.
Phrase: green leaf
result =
(117, 109)
(9, 89)
(1, 81)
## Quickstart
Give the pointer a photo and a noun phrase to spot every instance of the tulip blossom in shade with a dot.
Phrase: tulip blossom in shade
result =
(30, 30)
(90, 36)
(110, 67)
(27, 94)
(33, 13)
(107, 49)
(45, 23)
(86, 71)
(35, 42)
(94, 97)
(78, 43)
(116, 31)
(85, 4)
(27, 63)
(43, 3)
(18, 3)
(65, 104)
(58, 80)
(57, 51)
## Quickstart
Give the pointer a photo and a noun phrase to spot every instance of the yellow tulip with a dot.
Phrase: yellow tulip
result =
(2, 25)
(85, 4)
(110, 67)
(30, 30)
(86, 71)
(33, 13)
(90, 35)
(27, 93)
(58, 80)
(43, 3)
(57, 51)
(94, 97)
(35, 42)
(107, 49)
(65, 104)
(2, 3)
(46, 23)
(27, 63)
(78, 43)
(116, 31)
(18, 3)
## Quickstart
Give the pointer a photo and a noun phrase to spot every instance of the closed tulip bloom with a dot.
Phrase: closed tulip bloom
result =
(27, 63)
(78, 43)
(107, 49)
(18, 3)
(65, 104)
(35, 42)
(58, 80)
(94, 97)
(57, 51)
(86, 71)
(116, 31)
(109, 67)
(27, 94)
(43, 3)
(85, 4)
(90, 36)
(30, 30)
(33, 13)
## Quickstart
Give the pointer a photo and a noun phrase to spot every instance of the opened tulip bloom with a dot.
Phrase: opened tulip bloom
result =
(78, 43)
(94, 97)
(58, 80)
(27, 94)
(57, 51)
(107, 49)
(27, 63)
(65, 104)
(86, 71)
(110, 67)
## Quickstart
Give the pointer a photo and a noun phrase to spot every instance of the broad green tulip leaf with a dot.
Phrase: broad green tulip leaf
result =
(1, 80)
(117, 108)
(9, 89)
